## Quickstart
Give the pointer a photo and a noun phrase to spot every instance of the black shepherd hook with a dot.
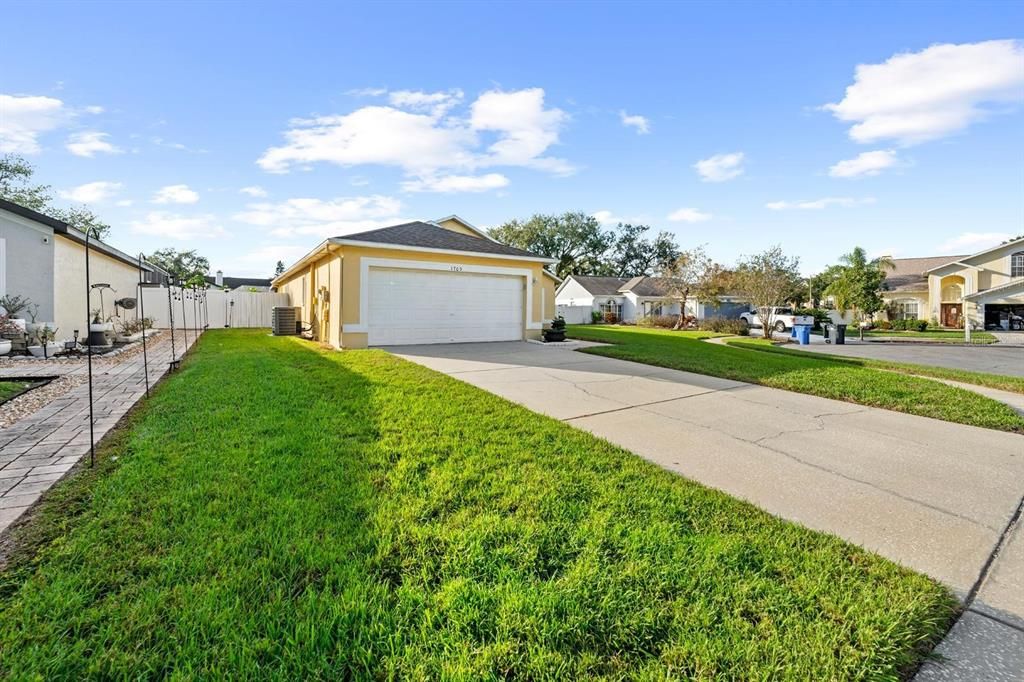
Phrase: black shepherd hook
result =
(88, 346)
(170, 310)
(142, 314)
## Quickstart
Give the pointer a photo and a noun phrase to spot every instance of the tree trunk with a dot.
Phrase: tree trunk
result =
(681, 321)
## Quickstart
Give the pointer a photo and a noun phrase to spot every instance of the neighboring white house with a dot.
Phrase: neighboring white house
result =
(43, 259)
(629, 299)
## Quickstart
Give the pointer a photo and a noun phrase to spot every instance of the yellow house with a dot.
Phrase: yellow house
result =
(442, 281)
(980, 291)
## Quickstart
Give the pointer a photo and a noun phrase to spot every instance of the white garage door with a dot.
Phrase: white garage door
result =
(415, 306)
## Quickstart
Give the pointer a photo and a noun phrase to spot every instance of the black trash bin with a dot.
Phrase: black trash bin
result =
(839, 336)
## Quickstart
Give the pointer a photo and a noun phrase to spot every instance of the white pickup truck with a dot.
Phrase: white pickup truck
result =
(782, 319)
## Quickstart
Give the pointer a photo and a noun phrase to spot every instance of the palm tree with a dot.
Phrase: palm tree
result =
(859, 281)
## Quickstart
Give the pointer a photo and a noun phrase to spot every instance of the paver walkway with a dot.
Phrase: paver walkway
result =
(38, 450)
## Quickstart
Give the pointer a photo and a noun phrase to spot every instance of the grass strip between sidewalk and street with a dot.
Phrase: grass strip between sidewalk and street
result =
(822, 376)
(280, 510)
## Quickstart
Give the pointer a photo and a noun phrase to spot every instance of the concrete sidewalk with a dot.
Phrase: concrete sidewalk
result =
(934, 496)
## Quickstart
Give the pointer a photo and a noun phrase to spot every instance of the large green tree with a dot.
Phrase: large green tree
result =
(583, 247)
(858, 282)
(633, 253)
(767, 280)
(575, 240)
(16, 184)
(184, 266)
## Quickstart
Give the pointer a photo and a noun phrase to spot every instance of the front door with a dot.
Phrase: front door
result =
(951, 316)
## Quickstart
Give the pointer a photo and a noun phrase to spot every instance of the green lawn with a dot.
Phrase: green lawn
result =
(929, 335)
(276, 510)
(819, 375)
(9, 388)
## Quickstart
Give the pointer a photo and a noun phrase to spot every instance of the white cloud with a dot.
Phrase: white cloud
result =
(425, 143)
(971, 242)
(720, 167)
(175, 194)
(917, 96)
(865, 163)
(372, 135)
(525, 129)
(640, 123)
(90, 143)
(91, 192)
(24, 117)
(606, 217)
(175, 226)
(94, 109)
(367, 92)
(437, 103)
(254, 191)
(456, 183)
(688, 215)
(304, 216)
(124, 202)
(818, 204)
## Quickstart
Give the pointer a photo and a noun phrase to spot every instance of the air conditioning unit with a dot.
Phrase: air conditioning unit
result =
(285, 320)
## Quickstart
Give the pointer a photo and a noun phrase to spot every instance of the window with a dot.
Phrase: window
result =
(1017, 264)
(906, 309)
(611, 307)
(653, 308)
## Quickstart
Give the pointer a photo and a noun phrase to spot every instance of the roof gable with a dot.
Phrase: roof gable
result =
(430, 236)
(910, 274)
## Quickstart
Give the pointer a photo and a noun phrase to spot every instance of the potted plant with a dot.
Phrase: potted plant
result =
(557, 330)
(13, 305)
(6, 327)
(33, 311)
(45, 348)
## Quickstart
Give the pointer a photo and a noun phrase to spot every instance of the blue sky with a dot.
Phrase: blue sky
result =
(250, 131)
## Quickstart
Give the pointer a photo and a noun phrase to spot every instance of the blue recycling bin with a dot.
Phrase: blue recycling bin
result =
(803, 334)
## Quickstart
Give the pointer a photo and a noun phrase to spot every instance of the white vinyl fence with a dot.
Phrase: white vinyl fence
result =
(223, 308)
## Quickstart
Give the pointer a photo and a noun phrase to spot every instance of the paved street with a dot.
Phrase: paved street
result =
(38, 450)
(934, 496)
(997, 359)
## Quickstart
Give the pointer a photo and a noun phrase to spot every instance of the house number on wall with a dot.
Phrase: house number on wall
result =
(456, 268)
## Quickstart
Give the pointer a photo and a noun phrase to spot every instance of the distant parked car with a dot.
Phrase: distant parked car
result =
(782, 319)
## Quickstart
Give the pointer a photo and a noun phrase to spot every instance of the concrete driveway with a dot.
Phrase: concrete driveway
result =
(934, 496)
(997, 359)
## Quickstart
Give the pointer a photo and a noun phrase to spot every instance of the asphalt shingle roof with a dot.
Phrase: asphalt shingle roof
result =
(427, 236)
(601, 286)
(611, 286)
(909, 272)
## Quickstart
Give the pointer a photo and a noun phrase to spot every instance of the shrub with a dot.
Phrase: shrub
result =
(722, 325)
(910, 325)
(664, 321)
(596, 317)
(609, 318)
(884, 324)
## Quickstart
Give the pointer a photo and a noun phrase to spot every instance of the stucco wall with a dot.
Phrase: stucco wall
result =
(340, 272)
(70, 310)
(27, 267)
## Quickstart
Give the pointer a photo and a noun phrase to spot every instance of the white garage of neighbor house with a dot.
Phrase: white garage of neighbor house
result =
(442, 281)
(628, 299)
